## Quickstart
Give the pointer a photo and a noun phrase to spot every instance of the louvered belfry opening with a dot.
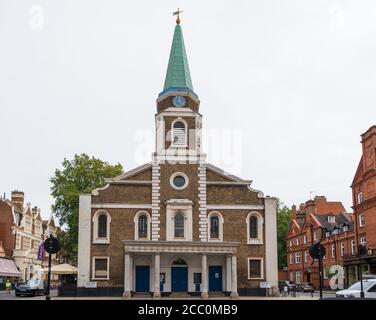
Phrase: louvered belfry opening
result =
(179, 134)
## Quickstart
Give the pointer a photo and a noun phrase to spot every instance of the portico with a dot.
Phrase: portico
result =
(192, 267)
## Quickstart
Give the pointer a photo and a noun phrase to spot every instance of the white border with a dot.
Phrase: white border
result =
(93, 268)
(179, 174)
(261, 267)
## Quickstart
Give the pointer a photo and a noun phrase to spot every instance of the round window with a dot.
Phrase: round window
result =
(179, 181)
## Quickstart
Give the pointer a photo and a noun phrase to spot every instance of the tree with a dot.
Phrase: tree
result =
(283, 225)
(78, 176)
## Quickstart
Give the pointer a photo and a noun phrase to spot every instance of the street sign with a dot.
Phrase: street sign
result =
(52, 245)
(265, 285)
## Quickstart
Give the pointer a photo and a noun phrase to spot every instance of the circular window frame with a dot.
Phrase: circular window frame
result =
(179, 174)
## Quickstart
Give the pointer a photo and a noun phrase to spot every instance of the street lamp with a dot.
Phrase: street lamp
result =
(362, 250)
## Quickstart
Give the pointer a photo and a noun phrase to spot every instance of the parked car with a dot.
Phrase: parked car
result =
(369, 289)
(31, 288)
(305, 287)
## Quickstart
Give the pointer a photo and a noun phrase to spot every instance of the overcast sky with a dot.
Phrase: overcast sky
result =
(288, 86)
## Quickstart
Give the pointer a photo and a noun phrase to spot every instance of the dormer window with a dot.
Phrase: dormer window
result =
(331, 219)
(327, 234)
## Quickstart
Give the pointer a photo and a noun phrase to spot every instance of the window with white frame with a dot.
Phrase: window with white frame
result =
(342, 249)
(179, 133)
(255, 268)
(215, 226)
(297, 241)
(297, 257)
(101, 227)
(18, 241)
(363, 241)
(353, 248)
(179, 225)
(142, 225)
(254, 222)
(290, 244)
(315, 236)
(333, 251)
(101, 267)
(362, 220)
(298, 277)
(291, 257)
(305, 239)
(331, 219)
(306, 256)
(360, 197)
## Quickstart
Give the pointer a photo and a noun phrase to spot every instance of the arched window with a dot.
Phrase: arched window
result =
(253, 227)
(142, 226)
(102, 226)
(179, 134)
(179, 225)
(214, 227)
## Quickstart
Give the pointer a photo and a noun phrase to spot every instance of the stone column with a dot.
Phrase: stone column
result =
(127, 276)
(234, 278)
(228, 273)
(157, 268)
(204, 276)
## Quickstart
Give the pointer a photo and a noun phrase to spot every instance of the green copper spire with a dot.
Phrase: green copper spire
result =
(178, 77)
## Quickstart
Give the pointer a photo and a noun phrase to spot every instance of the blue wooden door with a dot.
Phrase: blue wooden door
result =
(215, 278)
(179, 279)
(142, 278)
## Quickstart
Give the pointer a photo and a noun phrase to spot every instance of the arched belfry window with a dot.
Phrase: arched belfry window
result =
(102, 226)
(179, 133)
(142, 226)
(255, 225)
(179, 225)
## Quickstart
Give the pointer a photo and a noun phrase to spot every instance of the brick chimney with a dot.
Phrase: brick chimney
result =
(18, 198)
(293, 211)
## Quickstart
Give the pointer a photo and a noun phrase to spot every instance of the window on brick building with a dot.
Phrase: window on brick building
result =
(362, 220)
(333, 251)
(100, 268)
(360, 197)
(291, 258)
(254, 223)
(305, 239)
(214, 227)
(342, 249)
(102, 226)
(297, 241)
(255, 267)
(306, 256)
(298, 277)
(179, 225)
(143, 226)
(363, 241)
(353, 248)
(290, 244)
(253, 227)
(315, 236)
(297, 257)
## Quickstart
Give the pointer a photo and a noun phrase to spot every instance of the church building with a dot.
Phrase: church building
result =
(177, 224)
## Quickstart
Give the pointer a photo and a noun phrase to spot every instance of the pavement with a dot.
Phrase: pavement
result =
(299, 296)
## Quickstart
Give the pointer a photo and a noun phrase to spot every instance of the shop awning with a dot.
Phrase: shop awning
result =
(8, 268)
(64, 268)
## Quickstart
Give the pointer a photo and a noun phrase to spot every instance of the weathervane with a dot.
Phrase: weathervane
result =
(177, 13)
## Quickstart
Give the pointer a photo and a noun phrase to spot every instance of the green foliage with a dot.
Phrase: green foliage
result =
(283, 225)
(78, 176)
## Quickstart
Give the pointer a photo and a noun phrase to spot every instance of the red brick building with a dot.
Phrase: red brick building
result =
(364, 205)
(324, 221)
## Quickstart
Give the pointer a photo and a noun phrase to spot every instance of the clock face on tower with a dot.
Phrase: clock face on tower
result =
(179, 101)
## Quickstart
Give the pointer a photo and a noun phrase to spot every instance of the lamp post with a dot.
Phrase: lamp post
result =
(362, 250)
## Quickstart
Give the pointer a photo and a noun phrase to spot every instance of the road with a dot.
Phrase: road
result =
(4, 296)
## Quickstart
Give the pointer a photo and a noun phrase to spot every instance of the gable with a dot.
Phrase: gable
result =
(139, 173)
(214, 173)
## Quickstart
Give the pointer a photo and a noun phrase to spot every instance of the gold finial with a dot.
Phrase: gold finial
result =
(177, 13)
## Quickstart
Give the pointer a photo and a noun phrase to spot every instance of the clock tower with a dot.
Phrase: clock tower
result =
(178, 121)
